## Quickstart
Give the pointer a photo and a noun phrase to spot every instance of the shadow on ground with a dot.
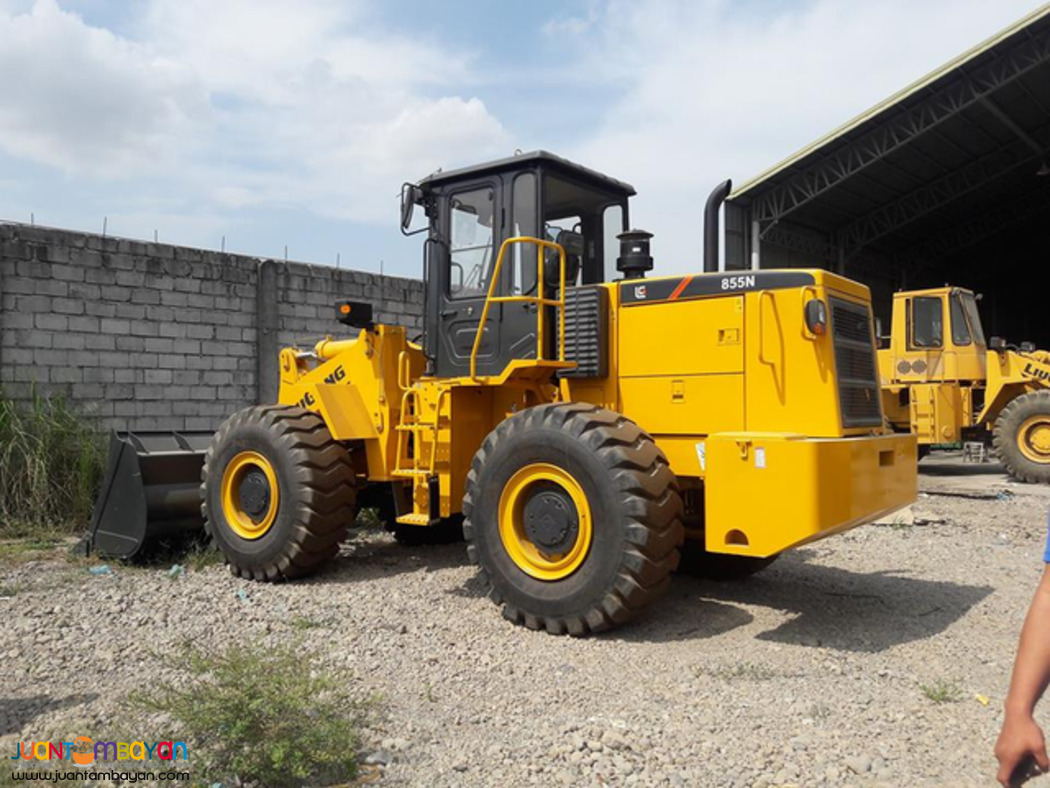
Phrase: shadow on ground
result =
(17, 713)
(946, 469)
(830, 607)
(373, 558)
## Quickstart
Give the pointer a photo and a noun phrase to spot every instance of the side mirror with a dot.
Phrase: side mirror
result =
(1027, 347)
(410, 195)
(998, 344)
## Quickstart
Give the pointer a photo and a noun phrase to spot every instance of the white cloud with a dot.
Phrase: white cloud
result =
(334, 110)
(232, 110)
(82, 99)
(715, 89)
(242, 102)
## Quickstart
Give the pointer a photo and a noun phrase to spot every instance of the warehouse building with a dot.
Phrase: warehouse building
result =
(948, 181)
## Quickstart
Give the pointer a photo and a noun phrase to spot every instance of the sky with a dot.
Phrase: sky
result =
(266, 124)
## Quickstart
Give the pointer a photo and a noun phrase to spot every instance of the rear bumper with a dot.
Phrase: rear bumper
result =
(768, 492)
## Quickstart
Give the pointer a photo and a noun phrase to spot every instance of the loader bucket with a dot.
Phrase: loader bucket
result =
(151, 491)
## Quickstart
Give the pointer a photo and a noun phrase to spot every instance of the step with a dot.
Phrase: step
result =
(414, 519)
(410, 473)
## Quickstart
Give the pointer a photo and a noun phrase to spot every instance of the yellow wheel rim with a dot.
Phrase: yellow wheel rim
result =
(521, 489)
(1033, 439)
(255, 523)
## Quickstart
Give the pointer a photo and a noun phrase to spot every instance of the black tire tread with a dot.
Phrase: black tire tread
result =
(649, 496)
(325, 505)
(1004, 437)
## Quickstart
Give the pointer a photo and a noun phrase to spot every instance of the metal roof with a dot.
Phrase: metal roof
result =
(519, 160)
(949, 160)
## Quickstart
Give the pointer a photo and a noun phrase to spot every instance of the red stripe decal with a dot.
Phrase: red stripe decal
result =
(681, 286)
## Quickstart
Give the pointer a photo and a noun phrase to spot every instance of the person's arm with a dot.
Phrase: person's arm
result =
(1021, 736)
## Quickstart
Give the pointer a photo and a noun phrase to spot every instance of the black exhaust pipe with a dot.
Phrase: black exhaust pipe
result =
(714, 202)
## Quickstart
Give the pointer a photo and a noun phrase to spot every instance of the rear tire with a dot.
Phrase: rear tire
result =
(613, 558)
(304, 492)
(719, 567)
(1021, 437)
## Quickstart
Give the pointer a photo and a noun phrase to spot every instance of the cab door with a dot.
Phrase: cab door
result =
(473, 220)
(922, 359)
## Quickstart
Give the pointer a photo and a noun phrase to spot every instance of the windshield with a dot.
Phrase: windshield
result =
(973, 318)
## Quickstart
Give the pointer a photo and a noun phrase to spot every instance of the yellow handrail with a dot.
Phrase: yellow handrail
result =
(416, 427)
(538, 299)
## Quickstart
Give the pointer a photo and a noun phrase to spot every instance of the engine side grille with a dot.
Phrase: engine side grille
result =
(586, 332)
(858, 376)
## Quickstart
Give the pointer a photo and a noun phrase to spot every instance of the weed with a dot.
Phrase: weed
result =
(261, 716)
(303, 623)
(9, 591)
(51, 462)
(942, 691)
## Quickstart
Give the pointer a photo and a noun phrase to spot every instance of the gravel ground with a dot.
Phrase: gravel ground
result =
(811, 673)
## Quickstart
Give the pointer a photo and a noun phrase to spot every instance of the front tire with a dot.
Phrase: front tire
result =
(1022, 437)
(277, 492)
(573, 515)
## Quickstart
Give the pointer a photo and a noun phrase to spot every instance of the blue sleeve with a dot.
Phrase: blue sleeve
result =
(1046, 555)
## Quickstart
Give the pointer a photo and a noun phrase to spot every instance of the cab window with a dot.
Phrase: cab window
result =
(523, 207)
(927, 322)
(969, 303)
(612, 225)
(960, 331)
(470, 242)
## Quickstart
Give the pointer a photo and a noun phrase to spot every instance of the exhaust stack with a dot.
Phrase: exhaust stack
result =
(711, 241)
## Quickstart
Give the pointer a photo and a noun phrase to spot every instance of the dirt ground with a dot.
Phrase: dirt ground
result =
(879, 657)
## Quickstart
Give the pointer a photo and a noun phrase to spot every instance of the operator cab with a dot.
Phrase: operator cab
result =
(943, 339)
(471, 212)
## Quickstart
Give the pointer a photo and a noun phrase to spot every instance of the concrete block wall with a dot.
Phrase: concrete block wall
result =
(147, 336)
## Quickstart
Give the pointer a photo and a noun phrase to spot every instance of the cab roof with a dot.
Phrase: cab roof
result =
(553, 163)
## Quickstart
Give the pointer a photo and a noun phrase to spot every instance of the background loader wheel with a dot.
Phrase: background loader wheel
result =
(1022, 437)
(574, 517)
(698, 562)
(278, 492)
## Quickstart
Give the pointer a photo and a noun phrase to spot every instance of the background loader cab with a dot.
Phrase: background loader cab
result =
(471, 212)
(940, 381)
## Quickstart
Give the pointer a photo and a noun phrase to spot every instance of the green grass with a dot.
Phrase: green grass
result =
(260, 716)
(304, 623)
(942, 691)
(51, 463)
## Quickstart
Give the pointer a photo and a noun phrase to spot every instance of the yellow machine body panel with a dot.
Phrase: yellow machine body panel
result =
(353, 385)
(731, 370)
(767, 492)
(938, 412)
(746, 401)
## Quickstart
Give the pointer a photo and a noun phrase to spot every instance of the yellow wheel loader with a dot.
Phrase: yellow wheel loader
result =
(945, 384)
(583, 423)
